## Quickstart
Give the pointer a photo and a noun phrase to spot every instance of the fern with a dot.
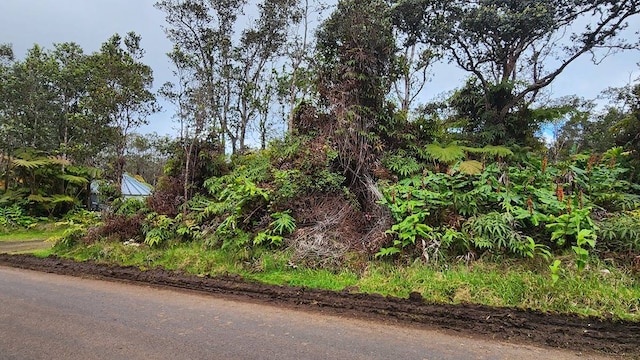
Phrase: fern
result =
(447, 155)
(31, 164)
(267, 236)
(59, 160)
(470, 167)
(62, 199)
(495, 151)
(189, 229)
(37, 198)
(388, 251)
(14, 216)
(76, 180)
(483, 243)
(283, 224)
(497, 231)
(402, 165)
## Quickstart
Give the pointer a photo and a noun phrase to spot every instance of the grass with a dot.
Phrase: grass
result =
(613, 295)
(39, 232)
(608, 294)
(42, 253)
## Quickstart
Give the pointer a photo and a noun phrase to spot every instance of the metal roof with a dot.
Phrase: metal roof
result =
(132, 187)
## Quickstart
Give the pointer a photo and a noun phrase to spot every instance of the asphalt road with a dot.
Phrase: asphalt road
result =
(45, 316)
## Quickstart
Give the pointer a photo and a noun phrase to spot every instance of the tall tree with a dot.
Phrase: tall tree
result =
(415, 57)
(190, 102)
(295, 80)
(31, 100)
(42, 107)
(120, 91)
(259, 45)
(80, 134)
(516, 48)
(202, 32)
(6, 128)
(232, 69)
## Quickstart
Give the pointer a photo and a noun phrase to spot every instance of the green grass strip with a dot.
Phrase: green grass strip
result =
(601, 290)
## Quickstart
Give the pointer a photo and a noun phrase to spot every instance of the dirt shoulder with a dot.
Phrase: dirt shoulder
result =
(514, 325)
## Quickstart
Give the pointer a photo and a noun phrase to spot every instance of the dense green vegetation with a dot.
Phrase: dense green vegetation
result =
(462, 200)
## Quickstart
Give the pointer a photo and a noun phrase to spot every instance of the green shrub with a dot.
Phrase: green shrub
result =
(158, 229)
(82, 216)
(71, 235)
(255, 167)
(289, 184)
(496, 232)
(620, 232)
(238, 203)
(402, 165)
(77, 224)
(505, 209)
(14, 216)
(128, 207)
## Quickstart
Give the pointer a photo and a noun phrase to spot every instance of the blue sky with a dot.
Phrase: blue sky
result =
(91, 22)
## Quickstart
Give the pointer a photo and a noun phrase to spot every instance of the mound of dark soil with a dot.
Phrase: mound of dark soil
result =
(563, 331)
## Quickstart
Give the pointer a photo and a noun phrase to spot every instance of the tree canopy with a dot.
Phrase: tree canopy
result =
(516, 48)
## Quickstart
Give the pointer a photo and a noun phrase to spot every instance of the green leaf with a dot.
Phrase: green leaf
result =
(76, 180)
(31, 164)
(387, 251)
(448, 155)
(39, 198)
(57, 199)
(471, 167)
(284, 223)
(59, 160)
(497, 150)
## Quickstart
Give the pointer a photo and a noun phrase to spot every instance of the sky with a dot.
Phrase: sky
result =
(89, 23)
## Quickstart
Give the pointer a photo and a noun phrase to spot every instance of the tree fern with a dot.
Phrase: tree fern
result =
(491, 150)
(59, 160)
(76, 180)
(448, 155)
(61, 199)
(30, 163)
(470, 167)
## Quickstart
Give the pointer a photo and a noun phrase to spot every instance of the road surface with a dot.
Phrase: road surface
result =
(45, 316)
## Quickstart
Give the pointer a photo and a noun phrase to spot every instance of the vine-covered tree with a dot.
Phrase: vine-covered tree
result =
(355, 50)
